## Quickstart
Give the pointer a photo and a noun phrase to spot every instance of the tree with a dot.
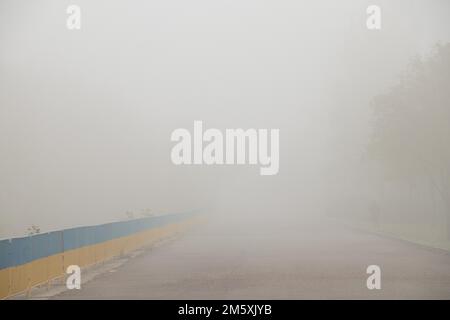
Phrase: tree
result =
(33, 230)
(411, 128)
(129, 215)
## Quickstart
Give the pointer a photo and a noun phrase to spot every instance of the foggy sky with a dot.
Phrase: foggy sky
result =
(86, 116)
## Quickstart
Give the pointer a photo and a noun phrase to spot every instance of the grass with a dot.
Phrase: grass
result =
(430, 235)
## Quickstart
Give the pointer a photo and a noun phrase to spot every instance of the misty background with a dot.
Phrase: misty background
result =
(86, 115)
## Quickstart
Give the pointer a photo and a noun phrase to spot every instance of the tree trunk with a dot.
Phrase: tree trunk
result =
(447, 222)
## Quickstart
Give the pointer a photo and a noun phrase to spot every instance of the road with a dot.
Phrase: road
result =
(294, 260)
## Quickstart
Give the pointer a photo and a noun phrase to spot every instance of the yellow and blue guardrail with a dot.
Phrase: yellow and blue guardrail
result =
(29, 261)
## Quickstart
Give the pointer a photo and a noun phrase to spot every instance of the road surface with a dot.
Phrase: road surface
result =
(294, 260)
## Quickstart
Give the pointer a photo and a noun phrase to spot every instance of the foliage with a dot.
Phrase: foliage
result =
(411, 130)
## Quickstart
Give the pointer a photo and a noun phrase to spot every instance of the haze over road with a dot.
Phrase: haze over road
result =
(291, 260)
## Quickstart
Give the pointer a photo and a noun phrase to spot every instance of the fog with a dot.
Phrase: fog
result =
(86, 115)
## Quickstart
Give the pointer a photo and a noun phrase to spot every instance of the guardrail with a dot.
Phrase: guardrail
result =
(30, 261)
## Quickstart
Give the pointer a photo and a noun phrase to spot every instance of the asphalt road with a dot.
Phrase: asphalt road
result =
(294, 260)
